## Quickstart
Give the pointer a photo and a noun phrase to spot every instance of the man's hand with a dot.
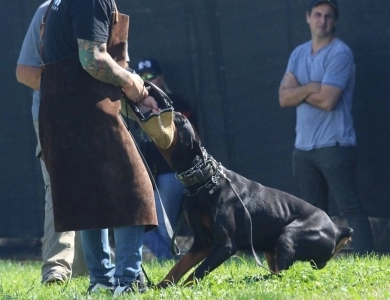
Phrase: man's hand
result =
(290, 81)
(314, 87)
(135, 89)
(95, 59)
(148, 104)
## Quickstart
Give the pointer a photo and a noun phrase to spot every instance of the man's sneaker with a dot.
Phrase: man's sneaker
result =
(54, 277)
(98, 287)
(136, 286)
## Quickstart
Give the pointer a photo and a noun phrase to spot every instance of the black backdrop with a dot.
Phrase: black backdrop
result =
(227, 59)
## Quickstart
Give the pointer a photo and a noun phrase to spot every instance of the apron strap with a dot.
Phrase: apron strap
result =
(42, 30)
(116, 12)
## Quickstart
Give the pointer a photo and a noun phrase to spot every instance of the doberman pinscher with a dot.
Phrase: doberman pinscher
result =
(219, 203)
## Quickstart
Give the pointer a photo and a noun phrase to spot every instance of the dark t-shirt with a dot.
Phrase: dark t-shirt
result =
(69, 20)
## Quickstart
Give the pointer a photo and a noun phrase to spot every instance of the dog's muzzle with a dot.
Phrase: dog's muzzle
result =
(203, 175)
(159, 127)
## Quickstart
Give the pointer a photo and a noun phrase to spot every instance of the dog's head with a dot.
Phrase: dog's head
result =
(185, 147)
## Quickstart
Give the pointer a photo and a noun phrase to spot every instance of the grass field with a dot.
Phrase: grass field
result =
(347, 277)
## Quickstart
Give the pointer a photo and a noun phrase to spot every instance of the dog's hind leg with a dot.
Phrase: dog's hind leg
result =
(189, 260)
(285, 252)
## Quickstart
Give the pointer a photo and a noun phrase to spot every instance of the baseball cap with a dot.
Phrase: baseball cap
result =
(314, 3)
(148, 65)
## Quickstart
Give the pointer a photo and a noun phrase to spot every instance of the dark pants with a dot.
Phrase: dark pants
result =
(332, 171)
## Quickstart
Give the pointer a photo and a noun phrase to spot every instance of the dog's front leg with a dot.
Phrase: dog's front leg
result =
(220, 253)
(189, 260)
(271, 261)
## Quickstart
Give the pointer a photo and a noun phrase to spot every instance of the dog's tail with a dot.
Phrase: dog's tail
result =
(343, 235)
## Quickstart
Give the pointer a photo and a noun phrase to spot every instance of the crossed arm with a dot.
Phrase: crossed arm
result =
(322, 96)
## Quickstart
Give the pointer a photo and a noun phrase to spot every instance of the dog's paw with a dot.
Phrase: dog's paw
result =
(164, 284)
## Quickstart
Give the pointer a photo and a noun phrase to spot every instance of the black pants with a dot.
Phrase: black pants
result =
(332, 171)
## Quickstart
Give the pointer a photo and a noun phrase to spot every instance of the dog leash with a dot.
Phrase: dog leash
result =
(248, 225)
(176, 231)
(175, 250)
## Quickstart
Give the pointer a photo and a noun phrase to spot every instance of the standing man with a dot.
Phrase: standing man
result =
(98, 178)
(319, 82)
(62, 254)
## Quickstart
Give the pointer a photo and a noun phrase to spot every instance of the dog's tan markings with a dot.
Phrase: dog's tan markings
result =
(188, 261)
(191, 280)
(271, 261)
(340, 245)
(205, 221)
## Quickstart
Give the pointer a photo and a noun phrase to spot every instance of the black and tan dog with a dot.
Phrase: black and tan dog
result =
(285, 228)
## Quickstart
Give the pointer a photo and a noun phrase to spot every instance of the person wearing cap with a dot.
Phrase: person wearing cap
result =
(319, 83)
(169, 189)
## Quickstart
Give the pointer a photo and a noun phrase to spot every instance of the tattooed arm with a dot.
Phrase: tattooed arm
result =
(99, 64)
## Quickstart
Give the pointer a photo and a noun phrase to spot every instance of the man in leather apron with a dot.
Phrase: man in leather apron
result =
(97, 176)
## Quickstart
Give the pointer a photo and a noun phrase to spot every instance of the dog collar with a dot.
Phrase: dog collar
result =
(204, 175)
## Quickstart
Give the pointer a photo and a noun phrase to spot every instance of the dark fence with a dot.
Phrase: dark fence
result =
(227, 59)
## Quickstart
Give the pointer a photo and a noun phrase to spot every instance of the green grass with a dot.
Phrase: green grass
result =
(348, 277)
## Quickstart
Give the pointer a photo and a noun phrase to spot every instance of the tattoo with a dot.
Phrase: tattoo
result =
(102, 69)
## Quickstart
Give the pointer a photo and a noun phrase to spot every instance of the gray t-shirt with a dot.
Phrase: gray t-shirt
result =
(29, 54)
(332, 65)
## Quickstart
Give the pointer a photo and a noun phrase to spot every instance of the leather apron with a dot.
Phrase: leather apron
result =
(98, 179)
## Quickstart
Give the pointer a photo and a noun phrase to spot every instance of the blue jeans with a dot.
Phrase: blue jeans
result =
(332, 171)
(128, 254)
(171, 193)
